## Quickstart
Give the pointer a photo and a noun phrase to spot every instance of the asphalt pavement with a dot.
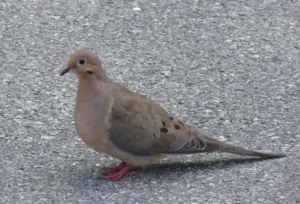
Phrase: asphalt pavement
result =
(231, 68)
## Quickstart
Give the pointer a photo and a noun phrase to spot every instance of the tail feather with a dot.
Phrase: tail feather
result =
(232, 149)
(201, 143)
(241, 151)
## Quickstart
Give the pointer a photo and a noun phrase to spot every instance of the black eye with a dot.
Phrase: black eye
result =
(81, 62)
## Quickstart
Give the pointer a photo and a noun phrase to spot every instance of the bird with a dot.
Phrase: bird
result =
(112, 119)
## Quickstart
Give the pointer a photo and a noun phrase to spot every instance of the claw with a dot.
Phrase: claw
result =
(117, 172)
(114, 169)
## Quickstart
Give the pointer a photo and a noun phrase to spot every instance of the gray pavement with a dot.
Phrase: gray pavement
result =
(231, 68)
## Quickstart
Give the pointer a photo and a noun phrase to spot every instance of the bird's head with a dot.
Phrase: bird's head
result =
(85, 64)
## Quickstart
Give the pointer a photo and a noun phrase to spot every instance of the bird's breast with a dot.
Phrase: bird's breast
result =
(91, 126)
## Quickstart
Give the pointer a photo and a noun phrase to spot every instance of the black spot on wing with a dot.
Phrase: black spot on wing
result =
(164, 130)
(177, 127)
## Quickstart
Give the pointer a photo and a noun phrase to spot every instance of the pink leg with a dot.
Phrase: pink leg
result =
(114, 169)
(120, 173)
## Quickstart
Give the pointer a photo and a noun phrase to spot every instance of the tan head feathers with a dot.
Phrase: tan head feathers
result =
(84, 63)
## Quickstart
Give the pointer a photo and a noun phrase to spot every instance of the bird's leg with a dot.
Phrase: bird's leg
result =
(120, 173)
(114, 169)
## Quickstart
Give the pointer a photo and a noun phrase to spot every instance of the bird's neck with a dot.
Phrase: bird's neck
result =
(93, 98)
(91, 88)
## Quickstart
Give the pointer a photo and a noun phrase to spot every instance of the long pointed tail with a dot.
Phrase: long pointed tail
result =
(241, 151)
(228, 148)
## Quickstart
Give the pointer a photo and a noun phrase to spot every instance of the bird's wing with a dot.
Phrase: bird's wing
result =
(141, 127)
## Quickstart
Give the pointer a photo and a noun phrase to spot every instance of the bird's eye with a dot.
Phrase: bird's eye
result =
(81, 62)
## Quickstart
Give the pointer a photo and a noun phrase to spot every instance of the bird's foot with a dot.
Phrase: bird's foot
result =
(114, 169)
(117, 172)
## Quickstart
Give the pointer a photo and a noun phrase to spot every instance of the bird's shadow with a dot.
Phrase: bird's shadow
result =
(166, 169)
(196, 165)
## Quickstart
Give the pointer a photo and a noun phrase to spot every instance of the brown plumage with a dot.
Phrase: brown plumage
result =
(112, 119)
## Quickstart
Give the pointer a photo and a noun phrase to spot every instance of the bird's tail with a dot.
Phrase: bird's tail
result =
(232, 149)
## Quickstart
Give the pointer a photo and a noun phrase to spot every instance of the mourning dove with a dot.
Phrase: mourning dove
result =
(130, 127)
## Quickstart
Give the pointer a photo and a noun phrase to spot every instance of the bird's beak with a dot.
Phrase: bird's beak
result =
(66, 70)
